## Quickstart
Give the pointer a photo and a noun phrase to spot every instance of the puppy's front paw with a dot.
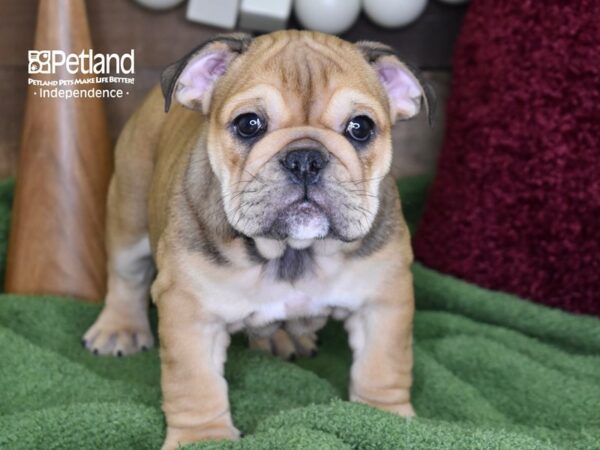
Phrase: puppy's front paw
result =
(177, 437)
(118, 334)
(402, 408)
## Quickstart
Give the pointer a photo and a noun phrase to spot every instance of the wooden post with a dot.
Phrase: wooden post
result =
(57, 234)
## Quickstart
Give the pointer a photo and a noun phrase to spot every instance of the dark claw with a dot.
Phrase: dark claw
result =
(318, 340)
(292, 357)
(83, 343)
(96, 351)
(119, 353)
(313, 353)
(242, 434)
(144, 348)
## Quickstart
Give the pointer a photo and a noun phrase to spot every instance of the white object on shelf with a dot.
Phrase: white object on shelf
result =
(159, 4)
(394, 13)
(218, 13)
(328, 16)
(265, 15)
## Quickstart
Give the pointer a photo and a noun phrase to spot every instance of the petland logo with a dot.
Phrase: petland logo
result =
(80, 75)
(86, 62)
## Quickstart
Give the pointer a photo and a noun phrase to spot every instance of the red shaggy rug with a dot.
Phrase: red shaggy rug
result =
(516, 201)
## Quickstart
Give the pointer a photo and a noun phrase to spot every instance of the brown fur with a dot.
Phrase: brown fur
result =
(173, 200)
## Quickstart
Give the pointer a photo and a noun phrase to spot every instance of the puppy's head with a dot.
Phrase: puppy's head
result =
(299, 128)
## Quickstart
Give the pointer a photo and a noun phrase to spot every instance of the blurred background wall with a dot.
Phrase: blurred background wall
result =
(160, 37)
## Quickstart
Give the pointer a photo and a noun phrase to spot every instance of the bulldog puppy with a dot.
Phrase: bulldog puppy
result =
(262, 200)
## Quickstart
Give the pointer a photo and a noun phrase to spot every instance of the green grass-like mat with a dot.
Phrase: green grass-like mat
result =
(492, 371)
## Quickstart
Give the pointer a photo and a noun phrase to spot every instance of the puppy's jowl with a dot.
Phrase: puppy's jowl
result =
(262, 202)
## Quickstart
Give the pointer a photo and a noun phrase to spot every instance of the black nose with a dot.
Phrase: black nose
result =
(305, 166)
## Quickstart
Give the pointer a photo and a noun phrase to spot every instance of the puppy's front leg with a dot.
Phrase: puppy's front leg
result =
(193, 351)
(381, 339)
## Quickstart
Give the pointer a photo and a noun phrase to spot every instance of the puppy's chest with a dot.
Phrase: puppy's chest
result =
(295, 303)
(299, 285)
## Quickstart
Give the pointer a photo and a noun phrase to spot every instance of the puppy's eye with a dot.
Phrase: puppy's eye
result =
(249, 125)
(360, 128)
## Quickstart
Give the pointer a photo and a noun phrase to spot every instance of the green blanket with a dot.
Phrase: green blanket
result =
(492, 371)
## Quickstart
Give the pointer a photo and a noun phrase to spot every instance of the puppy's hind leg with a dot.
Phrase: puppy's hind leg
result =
(123, 327)
(304, 334)
(289, 339)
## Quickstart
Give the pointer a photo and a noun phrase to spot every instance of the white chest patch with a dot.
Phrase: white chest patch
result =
(296, 304)
(261, 293)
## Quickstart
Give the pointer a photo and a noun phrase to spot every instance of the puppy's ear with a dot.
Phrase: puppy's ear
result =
(404, 85)
(192, 79)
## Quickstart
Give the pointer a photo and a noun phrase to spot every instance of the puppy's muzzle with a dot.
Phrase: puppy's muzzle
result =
(305, 166)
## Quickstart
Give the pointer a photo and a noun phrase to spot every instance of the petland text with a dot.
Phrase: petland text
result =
(86, 62)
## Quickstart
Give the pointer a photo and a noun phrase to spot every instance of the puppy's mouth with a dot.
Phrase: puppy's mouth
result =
(302, 220)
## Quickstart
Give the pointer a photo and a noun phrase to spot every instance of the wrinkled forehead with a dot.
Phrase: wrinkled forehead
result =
(302, 80)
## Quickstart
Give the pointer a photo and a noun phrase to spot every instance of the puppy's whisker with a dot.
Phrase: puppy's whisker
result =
(361, 193)
(365, 180)
(344, 190)
(362, 209)
(254, 176)
(236, 194)
(242, 181)
(241, 210)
